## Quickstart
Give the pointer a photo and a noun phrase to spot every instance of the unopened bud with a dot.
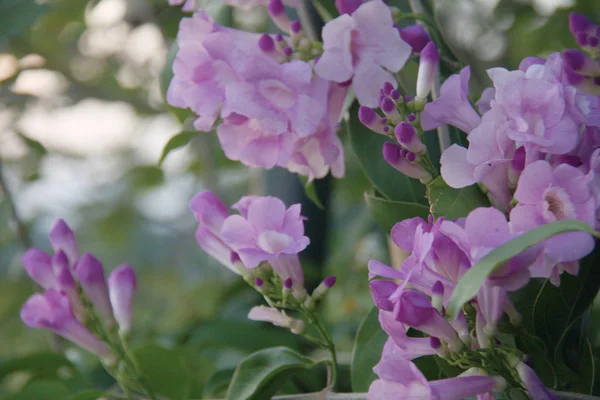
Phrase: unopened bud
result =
(406, 134)
(277, 13)
(428, 63)
(369, 118)
(391, 154)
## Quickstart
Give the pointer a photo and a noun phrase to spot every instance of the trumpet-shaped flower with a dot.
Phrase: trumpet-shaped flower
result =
(364, 47)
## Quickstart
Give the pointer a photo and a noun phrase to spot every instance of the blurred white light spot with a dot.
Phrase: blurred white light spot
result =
(89, 127)
(32, 61)
(40, 83)
(548, 7)
(144, 43)
(167, 202)
(8, 66)
(107, 12)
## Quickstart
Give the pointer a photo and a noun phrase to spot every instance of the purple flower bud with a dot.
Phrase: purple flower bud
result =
(288, 51)
(90, 273)
(437, 289)
(403, 153)
(517, 165)
(63, 238)
(369, 118)
(277, 13)
(416, 36)
(52, 310)
(279, 37)
(411, 157)
(585, 83)
(295, 27)
(384, 120)
(347, 6)
(234, 257)
(428, 63)
(288, 283)
(388, 106)
(121, 285)
(407, 98)
(406, 134)
(593, 41)
(386, 129)
(66, 283)
(259, 282)
(411, 117)
(38, 265)
(391, 154)
(434, 342)
(387, 88)
(329, 281)
(395, 95)
(266, 43)
(581, 63)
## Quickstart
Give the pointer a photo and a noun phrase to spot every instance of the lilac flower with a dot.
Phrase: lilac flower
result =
(401, 379)
(532, 383)
(90, 273)
(416, 36)
(547, 195)
(277, 318)
(188, 5)
(276, 97)
(364, 47)
(428, 63)
(347, 6)
(63, 238)
(485, 229)
(38, 265)
(52, 310)
(266, 231)
(453, 106)
(399, 342)
(207, 61)
(250, 4)
(121, 286)
(211, 213)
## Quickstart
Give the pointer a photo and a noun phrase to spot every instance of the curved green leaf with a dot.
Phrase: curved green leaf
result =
(261, 374)
(392, 184)
(469, 284)
(368, 346)
(164, 370)
(386, 212)
(44, 365)
(216, 386)
(177, 141)
(454, 203)
(310, 191)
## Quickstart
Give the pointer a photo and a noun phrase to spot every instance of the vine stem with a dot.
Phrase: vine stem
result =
(22, 232)
(328, 344)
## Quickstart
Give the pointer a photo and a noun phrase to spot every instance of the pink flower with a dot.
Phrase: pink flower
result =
(547, 195)
(265, 231)
(401, 379)
(63, 238)
(364, 47)
(211, 213)
(250, 4)
(90, 273)
(52, 310)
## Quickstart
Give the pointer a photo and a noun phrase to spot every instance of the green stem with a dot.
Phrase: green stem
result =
(326, 335)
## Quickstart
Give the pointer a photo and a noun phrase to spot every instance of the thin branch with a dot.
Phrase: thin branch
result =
(22, 232)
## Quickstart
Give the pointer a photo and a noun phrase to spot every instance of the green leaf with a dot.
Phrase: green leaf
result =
(368, 346)
(146, 176)
(164, 370)
(18, 15)
(454, 203)
(41, 390)
(40, 366)
(87, 395)
(310, 191)
(367, 146)
(261, 374)
(177, 141)
(386, 213)
(326, 9)
(216, 386)
(469, 284)
(34, 145)
(588, 367)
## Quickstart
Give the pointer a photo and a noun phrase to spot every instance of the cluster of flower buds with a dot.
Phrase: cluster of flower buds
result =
(78, 303)
(261, 244)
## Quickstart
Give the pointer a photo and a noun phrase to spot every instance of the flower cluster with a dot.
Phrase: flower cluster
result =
(261, 244)
(440, 254)
(78, 303)
(277, 99)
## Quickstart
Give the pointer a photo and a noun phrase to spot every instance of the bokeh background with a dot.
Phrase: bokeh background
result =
(83, 124)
